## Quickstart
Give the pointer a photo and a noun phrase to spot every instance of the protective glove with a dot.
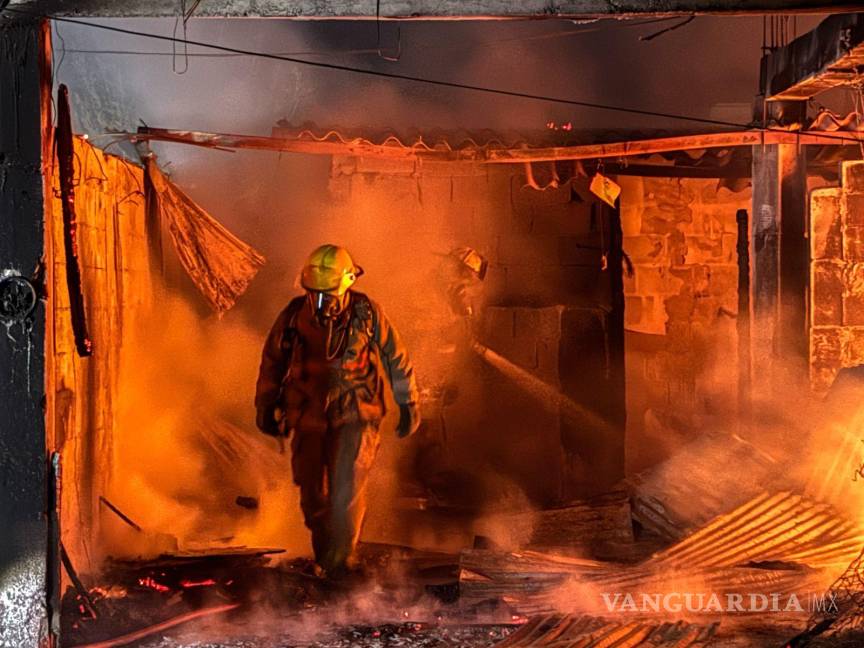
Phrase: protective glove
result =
(266, 421)
(409, 420)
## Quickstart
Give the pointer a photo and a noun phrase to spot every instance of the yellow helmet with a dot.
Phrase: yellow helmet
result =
(330, 269)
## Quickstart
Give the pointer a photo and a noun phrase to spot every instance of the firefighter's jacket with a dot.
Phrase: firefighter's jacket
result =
(295, 375)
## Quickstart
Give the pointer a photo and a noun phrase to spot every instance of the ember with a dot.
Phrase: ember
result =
(203, 583)
(152, 584)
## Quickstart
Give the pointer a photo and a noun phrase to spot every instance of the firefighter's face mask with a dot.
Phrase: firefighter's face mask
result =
(326, 305)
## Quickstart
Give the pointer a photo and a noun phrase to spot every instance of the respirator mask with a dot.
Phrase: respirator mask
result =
(326, 306)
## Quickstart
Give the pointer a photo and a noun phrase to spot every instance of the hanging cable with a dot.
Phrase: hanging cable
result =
(684, 22)
(381, 54)
(176, 40)
(375, 50)
(188, 14)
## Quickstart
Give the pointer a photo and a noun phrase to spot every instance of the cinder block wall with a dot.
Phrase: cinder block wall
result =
(837, 277)
(546, 291)
(681, 305)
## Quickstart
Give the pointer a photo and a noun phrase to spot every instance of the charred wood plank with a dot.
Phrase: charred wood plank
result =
(76, 582)
(161, 627)
(364, 148)
(582, 524)
(66, 172)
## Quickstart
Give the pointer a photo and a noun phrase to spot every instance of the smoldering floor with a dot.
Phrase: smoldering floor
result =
(414, 635)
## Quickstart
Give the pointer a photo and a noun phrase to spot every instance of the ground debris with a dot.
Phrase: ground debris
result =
(415, 635)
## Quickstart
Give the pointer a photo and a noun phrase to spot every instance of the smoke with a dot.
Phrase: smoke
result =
(186, 446)
(604, 62)
(187, 381)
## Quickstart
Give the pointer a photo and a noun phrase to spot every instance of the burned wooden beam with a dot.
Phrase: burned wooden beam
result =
(161, 627)
(357, 147)
(76, 582)
(829, 56)
(504, 155)
(66, 173)
(678, 143)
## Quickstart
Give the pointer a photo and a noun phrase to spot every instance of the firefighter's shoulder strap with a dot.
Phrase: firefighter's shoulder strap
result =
(364, 311)
(292, 311)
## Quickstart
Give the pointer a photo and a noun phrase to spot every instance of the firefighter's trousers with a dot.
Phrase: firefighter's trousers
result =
(331, 460)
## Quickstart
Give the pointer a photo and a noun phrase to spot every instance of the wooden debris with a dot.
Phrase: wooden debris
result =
(120, 514)
(698, 484)
(217, 553)
(566, 631)
(606, 518)
(76, 582)
(161, 627)
(522, 579)
(66, 174)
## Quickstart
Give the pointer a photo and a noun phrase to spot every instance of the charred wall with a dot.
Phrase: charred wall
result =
(681, 304)
(24, 570)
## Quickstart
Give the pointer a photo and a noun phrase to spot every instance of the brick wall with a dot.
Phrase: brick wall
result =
(681, 304)
(837, 277)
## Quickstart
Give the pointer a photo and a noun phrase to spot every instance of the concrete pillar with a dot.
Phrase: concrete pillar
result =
(24, 570)
(779, 255)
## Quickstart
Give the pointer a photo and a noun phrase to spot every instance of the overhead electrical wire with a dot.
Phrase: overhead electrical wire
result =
(375, 50)
(423, 80)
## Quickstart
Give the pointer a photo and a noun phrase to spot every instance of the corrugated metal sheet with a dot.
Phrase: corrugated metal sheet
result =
(580, 631)
(219, 263)
(770, 527)
(775, 543)
(438, 139)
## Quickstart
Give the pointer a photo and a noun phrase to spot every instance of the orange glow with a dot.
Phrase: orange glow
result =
(150, 583)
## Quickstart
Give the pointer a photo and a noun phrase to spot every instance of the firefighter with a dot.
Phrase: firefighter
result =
(322, 377)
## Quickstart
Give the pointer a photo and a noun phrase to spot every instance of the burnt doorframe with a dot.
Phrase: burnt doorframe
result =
(29, 544)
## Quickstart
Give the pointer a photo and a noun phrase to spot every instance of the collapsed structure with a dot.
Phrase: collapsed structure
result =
(614, 331)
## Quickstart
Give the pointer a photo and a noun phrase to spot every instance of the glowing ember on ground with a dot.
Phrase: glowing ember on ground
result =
(202, 583)
(152, 584)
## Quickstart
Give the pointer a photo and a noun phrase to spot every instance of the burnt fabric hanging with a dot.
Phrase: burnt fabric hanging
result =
(220, 264)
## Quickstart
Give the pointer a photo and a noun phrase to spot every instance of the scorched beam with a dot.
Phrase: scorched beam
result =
(829, 56)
